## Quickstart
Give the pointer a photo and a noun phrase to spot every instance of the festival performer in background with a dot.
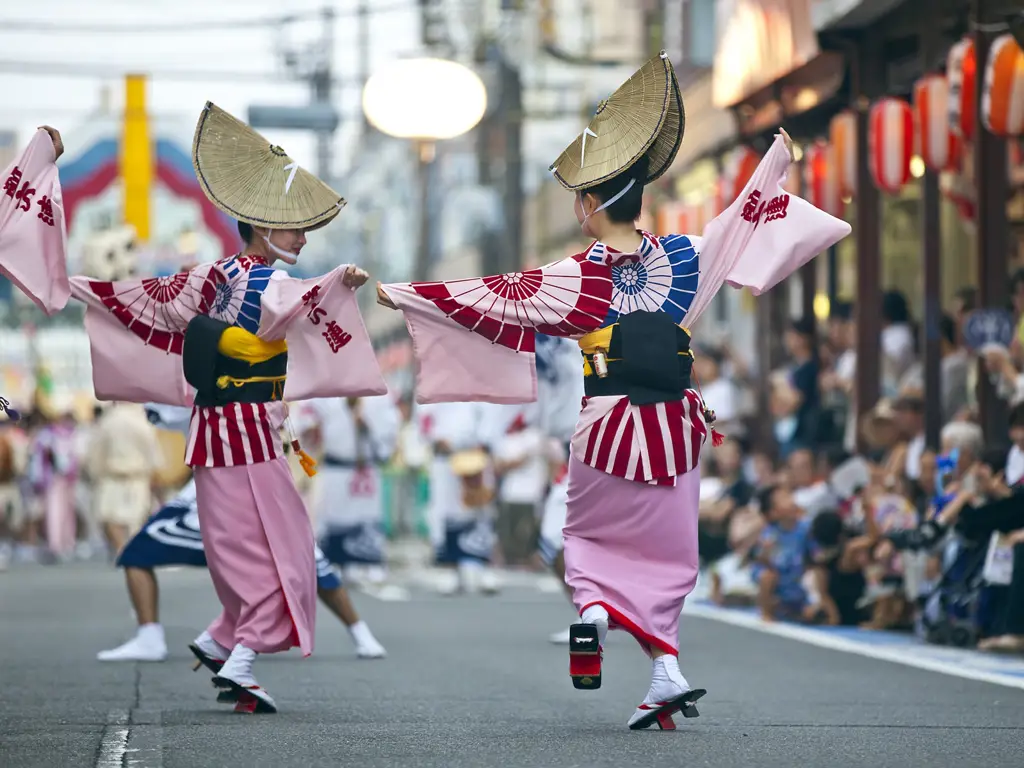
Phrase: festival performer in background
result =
(631, 525)
(234, 338)
(122, 459)
(463, 537)
(171, 537)
(559, 394)
(356, 436)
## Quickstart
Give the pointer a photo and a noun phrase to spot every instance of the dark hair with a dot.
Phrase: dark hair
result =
(947, 329)
(995, 458)
(245, 232)
(841, 310)
(894, 308)
(968, 297)
(1017, 415)
(1016, 280)
(804, 326)
(627, 208)
(764, 498)
(827, 528)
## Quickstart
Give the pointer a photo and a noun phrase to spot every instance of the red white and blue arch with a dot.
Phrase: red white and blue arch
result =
(92, 172)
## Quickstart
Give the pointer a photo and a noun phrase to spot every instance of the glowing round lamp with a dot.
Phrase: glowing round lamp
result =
(425, 99)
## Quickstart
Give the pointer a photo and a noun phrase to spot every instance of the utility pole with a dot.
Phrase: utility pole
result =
(322, 82)
(364, 53)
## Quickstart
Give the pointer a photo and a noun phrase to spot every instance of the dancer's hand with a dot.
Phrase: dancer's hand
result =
(58, 144)
(354, 277)
(789, 143)
(383, 299)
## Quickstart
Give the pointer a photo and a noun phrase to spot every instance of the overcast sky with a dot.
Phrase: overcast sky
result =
(65, 99)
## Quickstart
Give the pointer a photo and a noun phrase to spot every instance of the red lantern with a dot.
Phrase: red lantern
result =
(675, 218)
(739, 168)
(962, 71)
(843, 137)
(890, 144)
(939, 146)
(1003, 107)
(821, 178)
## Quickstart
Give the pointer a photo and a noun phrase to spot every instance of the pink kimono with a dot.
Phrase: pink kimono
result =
(631, 524)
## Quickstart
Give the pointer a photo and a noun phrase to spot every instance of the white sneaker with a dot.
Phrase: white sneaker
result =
(367, 646)
(488, 582)
(236, 674)
(449, 583)
(145, 646)
(560, 638)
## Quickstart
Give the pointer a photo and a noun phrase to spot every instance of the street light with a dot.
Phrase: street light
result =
(425, 100)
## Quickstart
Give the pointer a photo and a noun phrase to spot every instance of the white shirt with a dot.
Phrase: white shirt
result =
(559, 386)
(526, 483)
(914, 453)
(340, 437)
(1014, 466)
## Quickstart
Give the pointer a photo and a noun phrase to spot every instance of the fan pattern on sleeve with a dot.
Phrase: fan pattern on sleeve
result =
(570, 297)
(158, 309)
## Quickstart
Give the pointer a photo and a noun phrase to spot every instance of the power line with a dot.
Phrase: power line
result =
(94, 70)
(59, 27)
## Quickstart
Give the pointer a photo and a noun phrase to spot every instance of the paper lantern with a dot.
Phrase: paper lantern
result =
(792, 181)
(962, 72)
(890, 144)
(938, 145)
(821, 182)
(676, 218)
(843, 138)
(1003, 106)
(739, 169)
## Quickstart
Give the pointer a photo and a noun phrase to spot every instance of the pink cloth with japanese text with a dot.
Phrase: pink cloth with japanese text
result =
(136, 330)
(33, 235)
(761, 239)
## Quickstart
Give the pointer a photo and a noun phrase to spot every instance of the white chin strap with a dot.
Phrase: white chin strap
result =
(279, 252)
(607, 203)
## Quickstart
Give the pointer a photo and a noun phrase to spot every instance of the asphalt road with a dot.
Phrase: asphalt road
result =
(470, 681)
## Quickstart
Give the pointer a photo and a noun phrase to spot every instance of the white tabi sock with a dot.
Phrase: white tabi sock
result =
(211, 647)
(667, 680)
(596, 614)
(238, 667)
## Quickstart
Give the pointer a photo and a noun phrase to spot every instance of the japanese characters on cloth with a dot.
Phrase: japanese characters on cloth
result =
(487, 353)
(33, 235)
(136, 329)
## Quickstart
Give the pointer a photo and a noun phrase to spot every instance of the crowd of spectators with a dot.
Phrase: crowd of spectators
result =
(896, 535)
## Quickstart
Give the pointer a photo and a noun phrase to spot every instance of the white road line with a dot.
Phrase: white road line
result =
(115, 740)
(830, 642)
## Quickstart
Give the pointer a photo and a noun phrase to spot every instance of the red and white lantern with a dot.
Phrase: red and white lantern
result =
(821, 180)
(675, 218)
(962, 72)
(843, 138)
(739, 169)
(792, 181)
(1003, 106)
(938, 145)
(890, 144)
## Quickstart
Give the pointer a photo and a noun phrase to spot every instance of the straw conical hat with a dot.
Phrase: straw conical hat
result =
(645, 115)
(253, 181)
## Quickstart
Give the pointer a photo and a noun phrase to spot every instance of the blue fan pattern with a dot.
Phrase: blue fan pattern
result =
(238, 300)
(662, 279)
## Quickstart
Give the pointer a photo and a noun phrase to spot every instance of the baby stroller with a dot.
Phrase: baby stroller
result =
(953, 611)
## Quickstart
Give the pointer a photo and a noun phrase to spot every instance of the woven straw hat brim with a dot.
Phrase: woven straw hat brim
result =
(468, 463)
(253, 181)
(644, 116)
